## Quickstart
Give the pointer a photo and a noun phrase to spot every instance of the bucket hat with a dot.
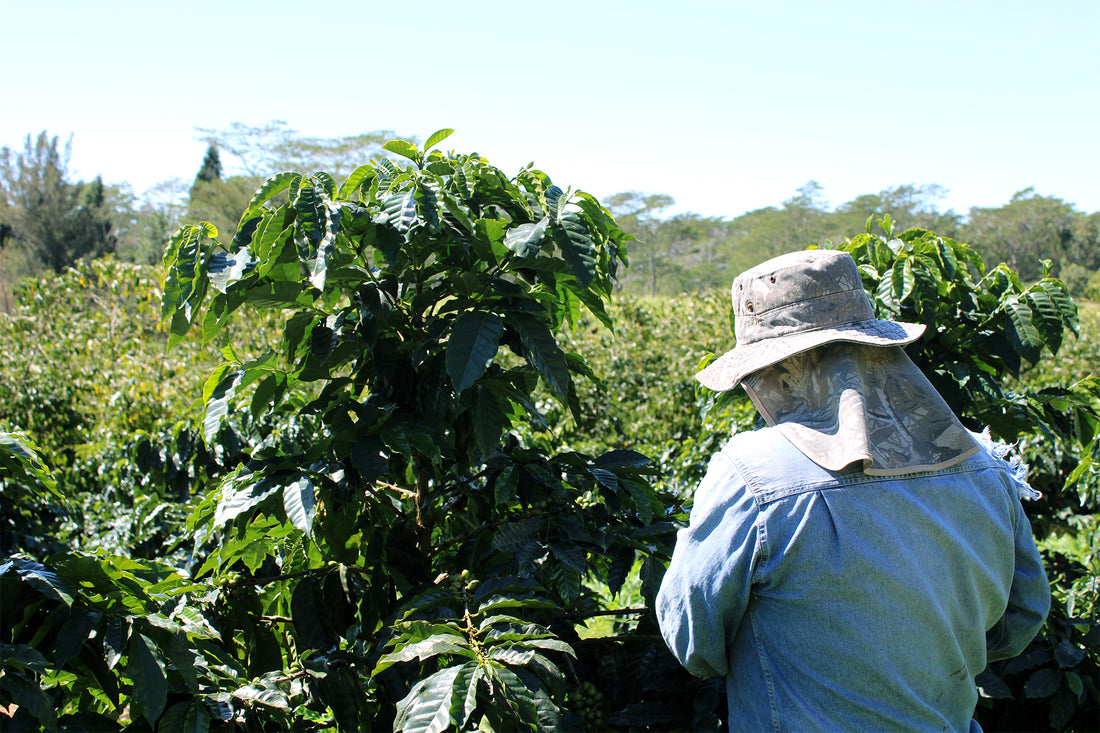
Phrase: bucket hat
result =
(794, 303)
(829, 376)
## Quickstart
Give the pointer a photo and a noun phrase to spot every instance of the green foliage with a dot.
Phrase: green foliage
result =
(687, 253)
(426, 555)
(211, 169)
(415, 471)
(51, 220)
(88, 383)
(647, 394)
(102, 315)
(1030, 229)
(985, 330)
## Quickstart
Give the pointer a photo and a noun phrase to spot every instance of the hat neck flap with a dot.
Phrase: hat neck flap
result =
(843, 403)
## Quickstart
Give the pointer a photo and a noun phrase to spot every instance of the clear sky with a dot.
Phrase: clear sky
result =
(727, 106)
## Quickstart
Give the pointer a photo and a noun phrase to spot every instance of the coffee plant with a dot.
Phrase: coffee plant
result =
(426, 559)
(985, 330)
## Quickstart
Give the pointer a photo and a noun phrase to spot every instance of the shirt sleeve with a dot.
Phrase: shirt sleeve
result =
(1028, 600)
(706, 588)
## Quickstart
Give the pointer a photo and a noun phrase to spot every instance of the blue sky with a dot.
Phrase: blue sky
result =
(725, 106)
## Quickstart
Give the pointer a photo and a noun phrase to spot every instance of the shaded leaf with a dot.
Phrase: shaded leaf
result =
(190, 716)
(990, 685)
(306, 608)
(1043, 682)
(29, 695)
(489, 423)
(472, 347)
(542, 352)
(74, 632)
(47, 582)
(517, 697)
(147, 670)
(368, 456)
(1068, 654)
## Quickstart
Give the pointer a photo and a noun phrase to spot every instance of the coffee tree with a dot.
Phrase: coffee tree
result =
(985, 329)
(392, 551)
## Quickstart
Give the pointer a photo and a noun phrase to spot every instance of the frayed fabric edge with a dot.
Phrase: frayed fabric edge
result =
(1000, 450)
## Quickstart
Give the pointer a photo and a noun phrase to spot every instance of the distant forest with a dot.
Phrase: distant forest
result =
(48, 221)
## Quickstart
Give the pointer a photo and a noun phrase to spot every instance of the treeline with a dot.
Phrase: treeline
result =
(48, 220)
(690, 253)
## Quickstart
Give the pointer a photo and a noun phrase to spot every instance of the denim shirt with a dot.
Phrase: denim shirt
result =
(841, 601)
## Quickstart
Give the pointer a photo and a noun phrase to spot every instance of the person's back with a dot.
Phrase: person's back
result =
(856, 564)
(845, 601)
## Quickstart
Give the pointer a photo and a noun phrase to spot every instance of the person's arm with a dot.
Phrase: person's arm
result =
(1028, 600)
(706, 588)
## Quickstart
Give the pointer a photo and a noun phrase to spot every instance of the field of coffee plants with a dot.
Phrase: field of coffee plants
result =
(395, 456)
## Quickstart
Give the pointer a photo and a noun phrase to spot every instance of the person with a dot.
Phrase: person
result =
(856, 563)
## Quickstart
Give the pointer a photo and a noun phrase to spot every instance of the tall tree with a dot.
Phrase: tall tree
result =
(909, 206)
(50, 219)
(1031, 228)
(637, 214)
(220, 202)
(211, 169)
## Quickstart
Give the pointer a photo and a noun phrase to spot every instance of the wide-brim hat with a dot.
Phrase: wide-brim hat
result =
(794, 303)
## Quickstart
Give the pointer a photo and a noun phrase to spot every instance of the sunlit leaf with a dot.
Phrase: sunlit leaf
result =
(226, 269)
(220, 401)
(1046, 317)
(19, 459)
(426, 649)
(239, 498)
(427, 707)
(355, 181)
(271, 187)
(526, 239)
(300, 502)
(263, 694)
(571, 234)
(403, 148)
(437, 137)
(400, 210)
(1061, 299)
